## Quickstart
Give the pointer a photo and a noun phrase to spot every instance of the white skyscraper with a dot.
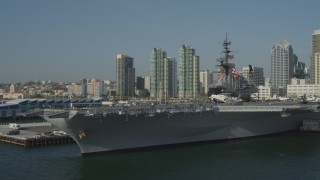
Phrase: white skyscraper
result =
(281, 64)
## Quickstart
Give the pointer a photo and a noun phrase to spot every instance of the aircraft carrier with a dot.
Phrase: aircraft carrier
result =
(102, 129)
(110, 129)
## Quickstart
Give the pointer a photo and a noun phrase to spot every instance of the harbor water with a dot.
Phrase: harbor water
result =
(291, 155)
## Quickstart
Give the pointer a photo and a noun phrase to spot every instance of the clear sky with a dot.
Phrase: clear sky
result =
(66, 40)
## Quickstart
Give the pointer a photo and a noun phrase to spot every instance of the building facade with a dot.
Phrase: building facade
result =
(125, 76)
(157, 70)
(315, 57)
(74, 89)
(173, 77)
(147, 83)
(281, 64)
(141, 90)
(189, 72)
(83, 83)
(140, 83)
(299, 88)
(255, 75)
(93, 88)
(265, 92)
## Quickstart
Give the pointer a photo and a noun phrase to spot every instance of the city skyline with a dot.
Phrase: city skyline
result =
(71, 40)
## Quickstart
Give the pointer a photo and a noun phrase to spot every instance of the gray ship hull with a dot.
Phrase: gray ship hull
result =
(110, 132)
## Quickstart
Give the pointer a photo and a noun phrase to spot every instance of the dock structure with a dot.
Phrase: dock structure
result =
(36, 142)
(34, 135)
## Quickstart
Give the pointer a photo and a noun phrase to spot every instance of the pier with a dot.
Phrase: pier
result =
(33, 135)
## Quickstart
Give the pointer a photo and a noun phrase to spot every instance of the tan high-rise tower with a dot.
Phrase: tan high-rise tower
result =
(125, 76)
(315, 57)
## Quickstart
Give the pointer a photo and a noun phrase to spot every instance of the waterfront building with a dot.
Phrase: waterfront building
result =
(299, 87)
(315, 57)
(19, 107)
(14, 108)
(205, 81)
(189, 82)
(125, 76)
(163, 74)
(281, 63)
(266, 91)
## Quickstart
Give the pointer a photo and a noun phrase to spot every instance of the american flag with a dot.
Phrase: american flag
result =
(230, 56)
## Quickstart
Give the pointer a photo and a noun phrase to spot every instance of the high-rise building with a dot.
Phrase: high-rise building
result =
(84, 91)
(189, 83)
(295, 59)
(299, 69)
(254, 75)
(74, 90)
(125, 76)
(96, 88)
(281, 64)
(205, 81)
(157, 57)
(141, 90)
(173, 77)
(163, 74)
(87, 88)
(315, 57)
